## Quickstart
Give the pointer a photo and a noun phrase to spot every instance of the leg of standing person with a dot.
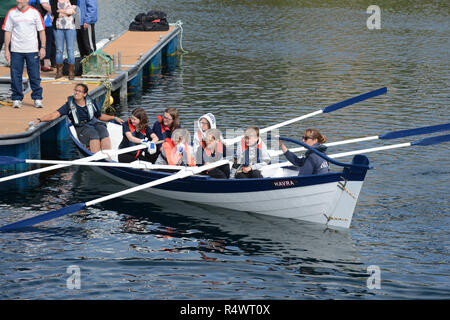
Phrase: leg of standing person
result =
(16, 71)
(34, 75)
(59, 41)
(92, 43)
(80, 41)
(70, 44)
(48, 49)
(86, 40)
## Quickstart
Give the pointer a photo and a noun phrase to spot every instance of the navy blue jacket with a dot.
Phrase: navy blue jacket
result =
(310, 163)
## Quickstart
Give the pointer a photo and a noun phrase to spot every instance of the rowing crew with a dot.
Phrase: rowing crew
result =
(170, 144)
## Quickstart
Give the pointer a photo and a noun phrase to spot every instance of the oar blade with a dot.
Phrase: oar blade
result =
(431, 141)
(44, 217)
(7, 160)
(354, 100)
(414, 132)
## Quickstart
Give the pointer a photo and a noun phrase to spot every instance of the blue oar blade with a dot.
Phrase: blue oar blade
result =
(354, 100)
(413, 132)
(6, 160)
(44, 217)
(431, 141)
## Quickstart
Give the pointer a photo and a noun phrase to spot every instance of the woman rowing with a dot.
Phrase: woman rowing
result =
(212, 149)
(165, 125)
(86, 117)
(136, 131)
(176, 151)
(309, 163)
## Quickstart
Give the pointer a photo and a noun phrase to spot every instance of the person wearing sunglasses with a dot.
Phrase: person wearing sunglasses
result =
(310, 163)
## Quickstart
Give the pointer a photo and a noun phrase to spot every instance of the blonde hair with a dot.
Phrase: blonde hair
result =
(250, 131)
(181, 134)
(213, 133)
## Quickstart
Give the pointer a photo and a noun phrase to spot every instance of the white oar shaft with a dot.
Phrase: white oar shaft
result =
(275, 126)
(186, 172)
(351, 153)
(274, 153)
(179, 175)
(288, 122)
(135, 165)
(98, 156)
(344, 154)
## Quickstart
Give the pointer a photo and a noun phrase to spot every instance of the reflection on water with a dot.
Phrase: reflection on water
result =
(285, 59)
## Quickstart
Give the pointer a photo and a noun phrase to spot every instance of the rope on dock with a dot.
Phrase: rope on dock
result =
(107, 108)
(179, 24)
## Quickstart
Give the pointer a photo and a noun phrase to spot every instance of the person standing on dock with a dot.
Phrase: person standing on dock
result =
(64, 27)
(86, 33)
(21, 26)
(87, 118)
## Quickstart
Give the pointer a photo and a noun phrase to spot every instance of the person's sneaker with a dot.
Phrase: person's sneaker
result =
(38, 103)
(17, 104)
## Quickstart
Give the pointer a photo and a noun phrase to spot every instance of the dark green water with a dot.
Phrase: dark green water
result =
(259, 63)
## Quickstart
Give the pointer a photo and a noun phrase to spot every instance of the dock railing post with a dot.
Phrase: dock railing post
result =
(124, 91)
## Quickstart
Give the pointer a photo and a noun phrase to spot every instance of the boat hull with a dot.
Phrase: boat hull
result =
(328, 199)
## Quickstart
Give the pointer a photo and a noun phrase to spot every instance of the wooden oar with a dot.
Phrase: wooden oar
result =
(186, 172)
(98, 156)
(423, 142)
(386, 136)
(330, 108)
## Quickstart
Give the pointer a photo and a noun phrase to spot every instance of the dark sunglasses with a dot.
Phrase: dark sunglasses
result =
(306, 138)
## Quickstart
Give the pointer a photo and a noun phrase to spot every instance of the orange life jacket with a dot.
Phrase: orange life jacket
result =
(173, 157)
(219, 148)
(133, 129)
(165, 131)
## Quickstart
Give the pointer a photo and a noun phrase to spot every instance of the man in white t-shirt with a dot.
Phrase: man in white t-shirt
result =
(21, 24)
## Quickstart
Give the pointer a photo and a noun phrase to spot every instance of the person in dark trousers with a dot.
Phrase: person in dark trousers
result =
(86, 33)
(22, 26)
(86, 117)
(310, 163)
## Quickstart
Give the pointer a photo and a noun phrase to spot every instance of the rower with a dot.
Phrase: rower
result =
(251, 156)
(136, 131)
(309, 163)
(176, 151)
(212, 149)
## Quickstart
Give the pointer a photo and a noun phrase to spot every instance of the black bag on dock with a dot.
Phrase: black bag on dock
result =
(152, 21)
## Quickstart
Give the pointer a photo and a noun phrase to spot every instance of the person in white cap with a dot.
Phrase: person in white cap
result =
(205, 122)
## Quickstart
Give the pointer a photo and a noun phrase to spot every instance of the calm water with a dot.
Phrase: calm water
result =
(259, 63)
